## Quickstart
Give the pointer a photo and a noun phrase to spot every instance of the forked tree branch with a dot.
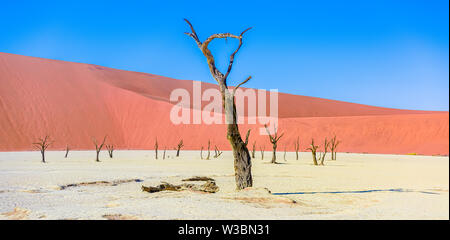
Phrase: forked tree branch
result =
(219, 76)
(246, 80)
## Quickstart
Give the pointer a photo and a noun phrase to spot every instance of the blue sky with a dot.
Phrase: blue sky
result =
(382, 53)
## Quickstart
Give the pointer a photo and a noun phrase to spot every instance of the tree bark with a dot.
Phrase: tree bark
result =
(67, 152)
(242, 161)
(42, 145)
(274, 153)
(43, 156)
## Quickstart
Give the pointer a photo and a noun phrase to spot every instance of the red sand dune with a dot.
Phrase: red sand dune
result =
(73, 102)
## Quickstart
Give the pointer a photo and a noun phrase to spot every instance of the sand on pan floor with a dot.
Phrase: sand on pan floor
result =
(356, 186)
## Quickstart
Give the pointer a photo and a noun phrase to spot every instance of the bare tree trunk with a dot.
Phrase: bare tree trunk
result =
(42, 145)
(217, 152)
(110, 149)
(179, 146)
(43, 156)
(98, 147)
(164, 153)
(201, 153)
(333, 147)
(156, 148)
(242, 161)
(297, 148)
(67, 151)
(314, 158)
(262, 152)
(325, 148)
(313, 149)
(209, 145)
(254, 149)
(274, 153)
(274, 140)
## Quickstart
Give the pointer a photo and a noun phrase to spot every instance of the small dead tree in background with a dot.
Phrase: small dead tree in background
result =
(110, 149)
(67, 151)
(201, 153)
(179, 146)
(297, 147)
(325, 149)
(98, 147)
(209, 153)
(313, 149)
(254, 149)
(333, 147)
(262, 152)
(164, 153)
(217, 152)
(156, 148)
(284, 156)
(42, 144)
(274, 140)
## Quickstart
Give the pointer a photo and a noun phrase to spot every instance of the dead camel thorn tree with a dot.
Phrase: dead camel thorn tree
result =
(274, 140)
(67, 151)
(217, 152)
(156, 148)
(201, 153)
(254, 149)
(313, 148)
(325, 149)
(209, 153)
(297, 147)
(179, 146)
(164, 153)
(110, 149)
(262, 152)
(42, 144)
(98, 147)
(333, 147)
(242, 161)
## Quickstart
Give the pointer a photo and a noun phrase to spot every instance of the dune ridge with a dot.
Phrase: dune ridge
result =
(73, 102)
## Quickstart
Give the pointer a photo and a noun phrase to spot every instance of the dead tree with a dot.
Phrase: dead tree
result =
(254, 149)
(217, 152)
(209, 154)
(179, 146)
(333, 147)
(164, 153)
(98, 147)
(246, 137)
(262, 152)
(297, 147)
(274, 140)
(242, 161)
(325, 149)
(156, 148)
(201, 153)
(67, 151)
(313, 149)
(42, 144)
(110, 149)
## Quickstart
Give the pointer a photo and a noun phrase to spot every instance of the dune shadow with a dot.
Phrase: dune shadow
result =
(357, 191)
